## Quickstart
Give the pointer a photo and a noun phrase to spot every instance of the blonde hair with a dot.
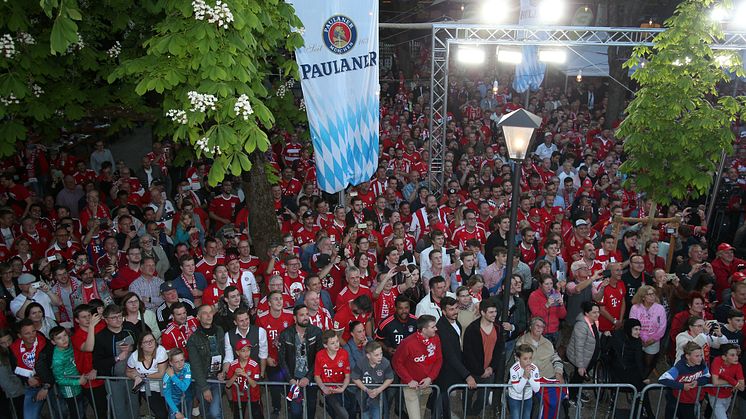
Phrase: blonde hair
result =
(642, 292)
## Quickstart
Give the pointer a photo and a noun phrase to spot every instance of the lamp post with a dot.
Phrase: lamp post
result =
(518, 127)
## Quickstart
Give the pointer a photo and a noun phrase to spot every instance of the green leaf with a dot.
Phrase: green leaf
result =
(236, 166)
(64, 33)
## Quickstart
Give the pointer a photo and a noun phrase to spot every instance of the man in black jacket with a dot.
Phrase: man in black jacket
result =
(206, 348)
(476, 356)
(111, 349)
(453, 370)
(297, 355)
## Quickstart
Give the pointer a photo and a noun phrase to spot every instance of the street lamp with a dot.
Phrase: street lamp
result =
(518, 127)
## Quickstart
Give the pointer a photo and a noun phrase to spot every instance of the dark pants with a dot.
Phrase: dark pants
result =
(474, 405)
(275, 392)
(335, 406)
(96, 397)
(76, 406)
(157, 404)
(256, 410)
(682, 410)
(579, 379)
(309, 399)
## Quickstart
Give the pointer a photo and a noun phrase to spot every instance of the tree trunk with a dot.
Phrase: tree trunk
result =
(262, 217)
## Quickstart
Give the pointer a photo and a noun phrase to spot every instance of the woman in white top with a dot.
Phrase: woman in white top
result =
(698, 331)
(148, 363)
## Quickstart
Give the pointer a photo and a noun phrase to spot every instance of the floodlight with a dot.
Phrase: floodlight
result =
(509, 56)
(739, 17)
(553, 56)
(551, 11)
(494, 11)
(579, 77)
(470, 55)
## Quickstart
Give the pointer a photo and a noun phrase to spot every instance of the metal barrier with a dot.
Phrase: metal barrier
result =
(122, 403)
(603, 392)
(674, 405)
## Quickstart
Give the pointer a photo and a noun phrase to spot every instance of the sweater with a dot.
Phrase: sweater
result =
(65, 372)
(545, 357)
(682, 373)
(652, 321)
(417, 358)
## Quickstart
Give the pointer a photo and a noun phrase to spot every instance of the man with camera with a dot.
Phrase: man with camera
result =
(33, 291)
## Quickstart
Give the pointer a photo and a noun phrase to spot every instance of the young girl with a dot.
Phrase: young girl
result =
(176, 382)
(726, 370)
(523, 372)
(243, 374)
(63, 368)
(684, 377)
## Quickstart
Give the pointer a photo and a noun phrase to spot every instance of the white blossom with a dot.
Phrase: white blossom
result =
(26, 38)
(281, 91)
(177, 115)
(76, 46)
(243, 107)
(220, 14)
(37, 90)
(10, 100)
(201, 102)
(302, 105)
(115, 50)
(7, 46)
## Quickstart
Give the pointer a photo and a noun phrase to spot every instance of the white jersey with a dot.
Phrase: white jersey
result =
(518, 389)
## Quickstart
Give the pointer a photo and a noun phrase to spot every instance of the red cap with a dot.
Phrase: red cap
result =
(737, 277)
(243, 343)
(230, 257)
(587, 183)
(557, 210)
(534, 212)
(724, 246)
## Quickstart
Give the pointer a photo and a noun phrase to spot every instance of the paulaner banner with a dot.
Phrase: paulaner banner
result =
(339, 77)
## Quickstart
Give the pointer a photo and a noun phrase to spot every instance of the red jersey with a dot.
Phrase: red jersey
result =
(223, 207)
(305, 236)
(528, 255)
(263, 306)
(241, 384)
(346, 295)
(84, 177)
(124, 278)
(605, 258)
(175, 336)
(462, 234)
(274, 326)
(290, 187)
(322, 319)
(86, 214)
(251, 265)
(211, 294)
(612, 302)
(417, 358)
(385, 305)
(294, 286)
(727, 372)
(332, 370)
(207, 269)
(344, 317)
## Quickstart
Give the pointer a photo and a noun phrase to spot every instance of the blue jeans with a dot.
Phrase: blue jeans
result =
(519, 409)
(214, 409)
(309, 399)
(372, 407)
(32, 408)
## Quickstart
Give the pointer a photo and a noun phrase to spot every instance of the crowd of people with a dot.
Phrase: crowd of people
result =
(146, 276)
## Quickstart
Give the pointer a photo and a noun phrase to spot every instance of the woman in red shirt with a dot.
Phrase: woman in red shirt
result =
(547, 302)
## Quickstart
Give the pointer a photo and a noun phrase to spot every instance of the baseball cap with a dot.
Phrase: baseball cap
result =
(738, 277)
(452, 191)
(724, 247)
(230, 257)
(242, 344)
(323, 260)
(167, 286)
(26, 279)
(581, 222)
(533, 212)
(308, 213)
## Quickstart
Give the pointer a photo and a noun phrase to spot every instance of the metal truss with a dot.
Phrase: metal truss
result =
(446, 34)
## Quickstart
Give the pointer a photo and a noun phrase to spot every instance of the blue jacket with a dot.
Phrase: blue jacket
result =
(183, 290)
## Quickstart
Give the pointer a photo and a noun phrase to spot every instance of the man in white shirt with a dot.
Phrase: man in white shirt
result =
(256, 335)
(34, 291)
(547, 148)
(437, 238)
(430, 303)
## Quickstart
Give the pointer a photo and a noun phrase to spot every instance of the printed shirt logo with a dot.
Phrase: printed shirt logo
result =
(340, 34)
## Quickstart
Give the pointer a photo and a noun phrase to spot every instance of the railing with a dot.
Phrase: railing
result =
(674, 405)
(122, 403)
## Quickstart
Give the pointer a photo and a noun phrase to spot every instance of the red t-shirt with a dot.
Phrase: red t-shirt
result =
(344, 317)
(206, 269)
(274, 326)
(727, 372)
(211, 294)
(124, 278)
(332, 370)
(612, 302)
(263, 305)
(242, 384)
(84, 360)
(224, 208)
(322, 319)
(346, 295)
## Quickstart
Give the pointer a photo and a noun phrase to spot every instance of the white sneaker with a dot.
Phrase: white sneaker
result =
(195, 411)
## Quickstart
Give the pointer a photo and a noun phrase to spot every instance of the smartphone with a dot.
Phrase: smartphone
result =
(51, 258)
(362, 225)
(400, 268)
(353, 194)
(36, 285)
(670, 230)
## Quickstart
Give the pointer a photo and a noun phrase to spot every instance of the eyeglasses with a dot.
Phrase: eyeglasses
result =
(148, 342)
(115, 317)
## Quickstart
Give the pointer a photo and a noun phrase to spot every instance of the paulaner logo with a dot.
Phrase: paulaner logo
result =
(340, 34)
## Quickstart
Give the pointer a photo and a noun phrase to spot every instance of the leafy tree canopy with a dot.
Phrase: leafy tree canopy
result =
(677, 125)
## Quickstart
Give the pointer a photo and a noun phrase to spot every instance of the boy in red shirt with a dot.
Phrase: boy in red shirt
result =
(332, 367)
(243, 373)
(725, 370)
(88, 324)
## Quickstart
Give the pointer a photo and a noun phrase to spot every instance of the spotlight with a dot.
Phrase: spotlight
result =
(470, 55)
(551, 11)
(553, 56)
(719, 14)
(494, 87)
(579, 77)
(509, 56)
(494, 11)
